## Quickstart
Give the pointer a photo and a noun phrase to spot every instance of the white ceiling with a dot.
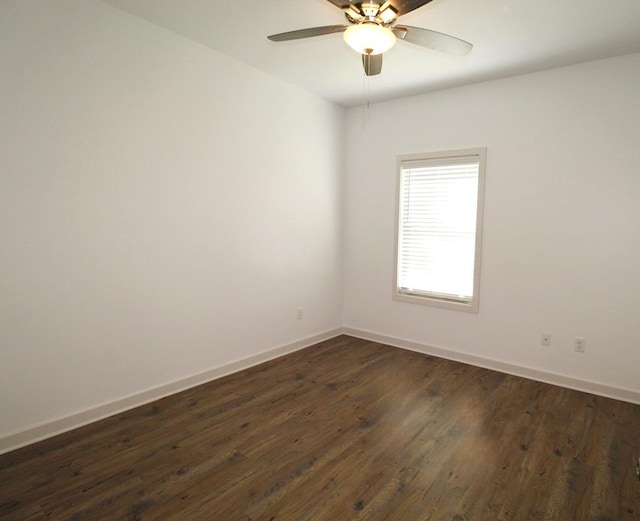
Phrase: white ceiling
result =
(509, 36)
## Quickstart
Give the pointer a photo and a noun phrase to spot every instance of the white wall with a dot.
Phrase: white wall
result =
(561, 228)
(164, 210)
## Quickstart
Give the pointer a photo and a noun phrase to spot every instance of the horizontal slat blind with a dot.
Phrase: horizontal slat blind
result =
(437, 231)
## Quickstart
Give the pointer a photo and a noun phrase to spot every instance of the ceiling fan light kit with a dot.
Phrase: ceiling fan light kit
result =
(369, 38)
(372, 31)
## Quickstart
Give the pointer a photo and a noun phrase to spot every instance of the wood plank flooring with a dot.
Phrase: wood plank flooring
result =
(346, 429)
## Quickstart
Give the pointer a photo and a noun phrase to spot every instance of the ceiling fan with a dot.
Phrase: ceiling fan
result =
(372, 30)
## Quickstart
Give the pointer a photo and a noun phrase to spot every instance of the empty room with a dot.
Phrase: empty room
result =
(311, 260)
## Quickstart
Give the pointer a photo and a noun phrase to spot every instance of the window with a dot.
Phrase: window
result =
(439, 228)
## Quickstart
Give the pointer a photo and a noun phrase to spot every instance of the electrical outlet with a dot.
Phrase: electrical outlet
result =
(300, 314)
(578, 345)
(545, 339)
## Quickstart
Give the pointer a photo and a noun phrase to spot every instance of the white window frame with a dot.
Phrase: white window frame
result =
(433, 299)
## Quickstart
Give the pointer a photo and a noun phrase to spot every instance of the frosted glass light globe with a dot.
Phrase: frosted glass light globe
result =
(369, 38)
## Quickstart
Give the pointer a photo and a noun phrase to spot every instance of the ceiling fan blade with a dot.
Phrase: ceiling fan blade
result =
(432, 39)
(406, 6)
(340, 4)
(307, 33)
(372, 64)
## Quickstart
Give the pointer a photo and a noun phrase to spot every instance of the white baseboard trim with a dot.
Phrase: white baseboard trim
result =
(608, 391)
(73, 421)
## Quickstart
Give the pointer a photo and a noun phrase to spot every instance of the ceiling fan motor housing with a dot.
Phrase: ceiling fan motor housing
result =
(370, 9)
(382, 14)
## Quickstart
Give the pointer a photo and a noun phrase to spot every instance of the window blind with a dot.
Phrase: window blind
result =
(437, 228)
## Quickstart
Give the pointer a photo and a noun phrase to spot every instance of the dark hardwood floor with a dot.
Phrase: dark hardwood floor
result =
(347, 429)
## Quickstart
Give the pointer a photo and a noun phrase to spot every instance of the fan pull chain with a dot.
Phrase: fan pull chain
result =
(365, 100)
